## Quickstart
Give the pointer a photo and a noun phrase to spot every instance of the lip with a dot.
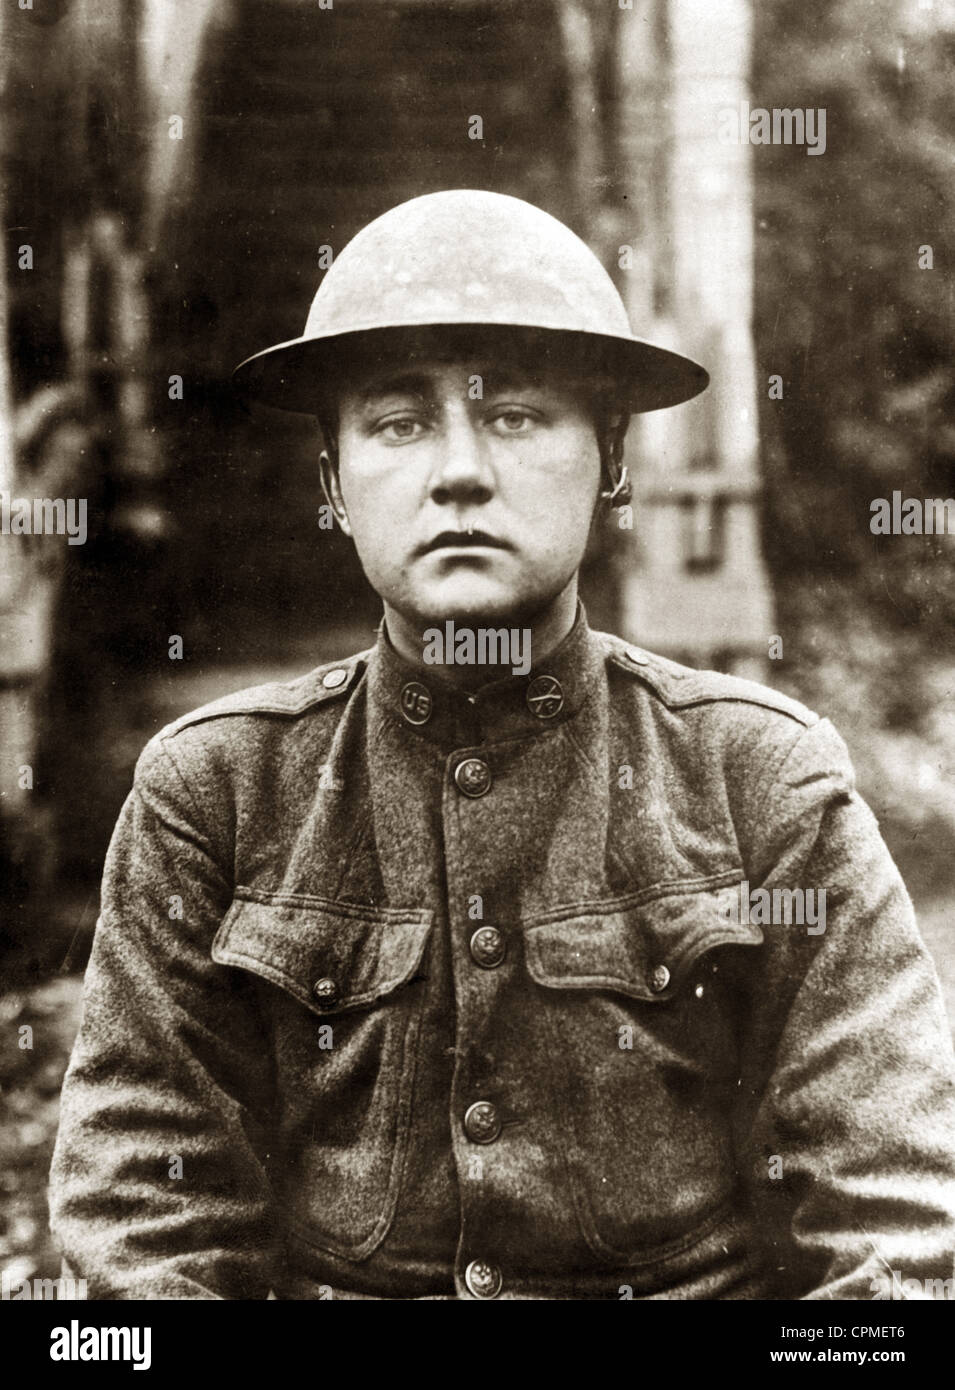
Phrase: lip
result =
(462, 540)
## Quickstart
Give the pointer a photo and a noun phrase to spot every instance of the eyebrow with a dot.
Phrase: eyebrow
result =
(496, 381)
(397, 384)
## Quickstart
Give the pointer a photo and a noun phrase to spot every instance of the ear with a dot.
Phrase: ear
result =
(328, 472)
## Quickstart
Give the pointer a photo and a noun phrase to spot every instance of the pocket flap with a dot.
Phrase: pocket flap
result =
(355, 954)
(642, 945)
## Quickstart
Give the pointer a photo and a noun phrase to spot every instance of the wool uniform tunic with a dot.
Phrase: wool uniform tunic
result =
(437, 994)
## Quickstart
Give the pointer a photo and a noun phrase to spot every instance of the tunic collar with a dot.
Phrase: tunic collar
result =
(428, 707)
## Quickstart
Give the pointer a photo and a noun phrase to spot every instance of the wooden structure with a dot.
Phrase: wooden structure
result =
(696, 586)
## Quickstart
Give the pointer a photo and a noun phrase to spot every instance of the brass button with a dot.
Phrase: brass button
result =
(325, 991)
(482, 1124)
(638, 657)
(659, 978)
(416, 702)
(545, 697)
(473, 777)
(333, 679)
(483, 1280)
(488, 947)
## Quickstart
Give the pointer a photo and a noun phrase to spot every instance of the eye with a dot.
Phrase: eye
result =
(399, 429)
(514, 421)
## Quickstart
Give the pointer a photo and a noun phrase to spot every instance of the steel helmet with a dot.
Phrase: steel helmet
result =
(470, 258)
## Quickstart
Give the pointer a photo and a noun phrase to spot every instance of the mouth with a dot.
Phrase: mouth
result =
(462, 540)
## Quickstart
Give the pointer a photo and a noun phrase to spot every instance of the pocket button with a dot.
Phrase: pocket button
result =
(325, 991)
(483, 1280)
(659, 978)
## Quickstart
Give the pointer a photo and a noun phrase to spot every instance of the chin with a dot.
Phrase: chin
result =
(471, 604)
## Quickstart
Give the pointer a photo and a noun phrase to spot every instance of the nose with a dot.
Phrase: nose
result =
(462, 471)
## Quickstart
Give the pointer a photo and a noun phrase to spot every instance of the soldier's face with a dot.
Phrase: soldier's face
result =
(468, 487)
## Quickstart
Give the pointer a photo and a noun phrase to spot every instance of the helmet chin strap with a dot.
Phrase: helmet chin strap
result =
(620, 492)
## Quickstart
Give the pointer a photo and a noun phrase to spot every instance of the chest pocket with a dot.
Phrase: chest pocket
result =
(639, 1015)
(343, 990)
(643, 946)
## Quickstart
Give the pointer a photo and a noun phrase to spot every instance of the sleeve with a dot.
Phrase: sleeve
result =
(848, 1083)
(158, 1186)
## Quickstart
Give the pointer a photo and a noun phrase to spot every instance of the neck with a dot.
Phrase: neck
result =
(540, 633)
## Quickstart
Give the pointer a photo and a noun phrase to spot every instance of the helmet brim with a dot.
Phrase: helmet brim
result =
(297, 375)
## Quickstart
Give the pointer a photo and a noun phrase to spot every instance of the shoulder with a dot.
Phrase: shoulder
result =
(740, 730)
(326, 685)
(240, 722)
(774, 762)
(680, 687)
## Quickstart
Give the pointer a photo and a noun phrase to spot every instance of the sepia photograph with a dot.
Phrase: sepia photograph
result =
(477, 660)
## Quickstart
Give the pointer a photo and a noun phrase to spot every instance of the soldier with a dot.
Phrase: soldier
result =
(466, 996)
